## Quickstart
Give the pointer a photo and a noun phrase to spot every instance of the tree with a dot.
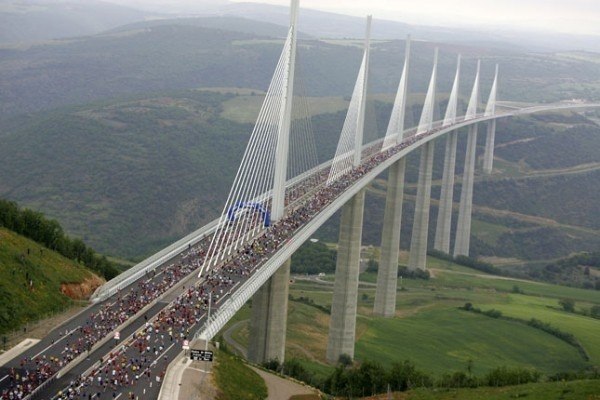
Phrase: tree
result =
(567, 304)
(345, 360)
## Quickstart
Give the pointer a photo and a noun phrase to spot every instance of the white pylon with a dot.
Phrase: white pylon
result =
(474, 100)
(395, 130)
(490, 108)
(450, 116)
(285, 122)
(426, 121)
(348, 153)
(360, 124)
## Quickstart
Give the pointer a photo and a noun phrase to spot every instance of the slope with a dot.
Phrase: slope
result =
(35, 281)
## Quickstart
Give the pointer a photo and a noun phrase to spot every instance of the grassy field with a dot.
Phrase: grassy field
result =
(31, 278)
(443, 340)
(585, 329)
(236, 381)
(430, 329)
(245, 108)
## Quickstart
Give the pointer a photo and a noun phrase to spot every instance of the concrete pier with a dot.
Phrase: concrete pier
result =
(269, 318)
(488, 158)
(418, 242)
(387, 276)
(463, 228)
(342, 325)
(444, 218)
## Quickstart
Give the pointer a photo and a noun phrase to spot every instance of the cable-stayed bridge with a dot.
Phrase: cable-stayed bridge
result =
(121, 345)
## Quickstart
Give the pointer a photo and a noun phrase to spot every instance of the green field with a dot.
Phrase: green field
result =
(245, 108)
(235, 380)
(443, 340)
(585, 329)
(430, 330)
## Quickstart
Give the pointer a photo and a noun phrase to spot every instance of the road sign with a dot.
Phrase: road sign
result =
(201, 355)
(186, 345)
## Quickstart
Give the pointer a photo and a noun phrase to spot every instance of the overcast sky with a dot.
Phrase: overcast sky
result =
(568, 16)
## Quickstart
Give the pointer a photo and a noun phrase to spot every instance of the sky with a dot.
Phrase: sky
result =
(565, 16)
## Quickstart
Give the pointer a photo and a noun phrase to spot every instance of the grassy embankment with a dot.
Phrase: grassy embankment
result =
(235, 380)
(30, 280)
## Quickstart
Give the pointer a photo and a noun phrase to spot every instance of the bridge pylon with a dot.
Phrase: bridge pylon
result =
(387, 274)
(269, 304)
(418, 243)
(490, 109)
(463, 228)
(269, 318)
(444, 218)
(342, 325)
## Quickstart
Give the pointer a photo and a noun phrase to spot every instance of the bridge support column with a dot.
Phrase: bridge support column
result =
(418, 242)
(342, 325)
(444, 218)
(269, 318)
(488, 158)
(387, 276)
(463, 228)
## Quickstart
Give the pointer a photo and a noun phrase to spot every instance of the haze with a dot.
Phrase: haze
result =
(573, 16)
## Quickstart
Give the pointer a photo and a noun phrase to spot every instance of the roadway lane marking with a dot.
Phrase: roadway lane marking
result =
(4, 378)
(56, 342)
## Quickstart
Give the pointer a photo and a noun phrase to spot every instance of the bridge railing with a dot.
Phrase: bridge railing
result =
(134, 273)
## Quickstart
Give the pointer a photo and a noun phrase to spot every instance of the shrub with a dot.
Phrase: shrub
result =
(504, 376)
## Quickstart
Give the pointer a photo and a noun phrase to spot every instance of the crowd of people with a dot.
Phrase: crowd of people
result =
(135, 357)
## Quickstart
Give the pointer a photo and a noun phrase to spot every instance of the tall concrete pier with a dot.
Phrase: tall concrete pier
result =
(387, 276)
(342, 325)
(488, 157)
(463, 228)
(490, 110)
(418, 243)
(444, 218)
(269, 318)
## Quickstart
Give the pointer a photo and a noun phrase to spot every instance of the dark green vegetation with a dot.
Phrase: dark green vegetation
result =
(312, 258)
(235, 380)
(47, 232)
(127, 177)
(31, 280)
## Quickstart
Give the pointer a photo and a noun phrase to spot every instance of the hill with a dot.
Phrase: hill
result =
(36, 281)
(132, 175)
(190, 54)
(39, 20)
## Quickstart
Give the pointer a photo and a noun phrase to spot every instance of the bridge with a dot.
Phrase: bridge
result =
(120, 346)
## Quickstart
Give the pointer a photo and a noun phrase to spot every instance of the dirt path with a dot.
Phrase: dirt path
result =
(241, 350)
(281, 389)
